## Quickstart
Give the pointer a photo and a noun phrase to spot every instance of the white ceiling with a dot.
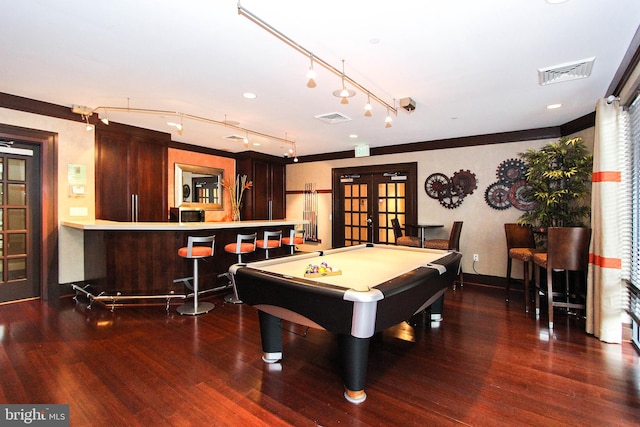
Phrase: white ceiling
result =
(471, 66)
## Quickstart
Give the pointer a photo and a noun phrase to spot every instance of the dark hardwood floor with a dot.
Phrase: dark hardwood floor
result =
(485, 364)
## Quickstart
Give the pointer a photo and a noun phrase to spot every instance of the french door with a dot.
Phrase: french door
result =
(20, 213)
(368, 198)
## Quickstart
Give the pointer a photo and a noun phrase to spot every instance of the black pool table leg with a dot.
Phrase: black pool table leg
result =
(354, 355)
(436, 309)
(271, 336)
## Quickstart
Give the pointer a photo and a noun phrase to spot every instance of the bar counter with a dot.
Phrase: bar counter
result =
(141, 258)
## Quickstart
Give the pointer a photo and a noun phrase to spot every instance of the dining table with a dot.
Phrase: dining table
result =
(423, 227)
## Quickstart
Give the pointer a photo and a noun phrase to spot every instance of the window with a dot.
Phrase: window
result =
(634, 273)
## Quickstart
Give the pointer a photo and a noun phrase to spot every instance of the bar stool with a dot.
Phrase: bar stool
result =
(270, 240)
(244, 244)
(521, 246)
(567, 252)
(196, 253)
(296, 237)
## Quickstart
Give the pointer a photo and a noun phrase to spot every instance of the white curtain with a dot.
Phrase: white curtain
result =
(610, 222)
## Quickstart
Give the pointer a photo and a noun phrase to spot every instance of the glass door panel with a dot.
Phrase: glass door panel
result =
(391, 204)
(356, 215)
(19, 220)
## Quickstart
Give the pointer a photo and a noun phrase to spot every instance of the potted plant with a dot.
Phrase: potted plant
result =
(559, 178)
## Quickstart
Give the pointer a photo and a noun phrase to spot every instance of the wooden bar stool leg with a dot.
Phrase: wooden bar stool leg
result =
(527, 296)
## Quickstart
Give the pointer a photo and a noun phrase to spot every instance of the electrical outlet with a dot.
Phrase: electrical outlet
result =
(476, 257)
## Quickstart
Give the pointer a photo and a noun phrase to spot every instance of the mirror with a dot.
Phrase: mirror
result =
(198, 187)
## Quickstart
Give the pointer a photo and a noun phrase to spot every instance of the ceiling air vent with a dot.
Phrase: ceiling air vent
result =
(565, 72)
(332, 118)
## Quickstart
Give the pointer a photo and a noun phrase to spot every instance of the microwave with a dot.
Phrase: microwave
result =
(186, 215)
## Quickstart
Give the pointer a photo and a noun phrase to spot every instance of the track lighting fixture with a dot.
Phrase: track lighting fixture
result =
(311, 74)
(343, 93)
(178, 126)
(86, 112)
(367, 107)
(89, 125)
(388, 120)
(104, 118)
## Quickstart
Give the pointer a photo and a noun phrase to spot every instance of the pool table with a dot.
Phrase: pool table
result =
(378, 286)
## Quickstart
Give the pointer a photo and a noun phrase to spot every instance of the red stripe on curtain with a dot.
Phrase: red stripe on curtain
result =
(604, 262)
(606, 176)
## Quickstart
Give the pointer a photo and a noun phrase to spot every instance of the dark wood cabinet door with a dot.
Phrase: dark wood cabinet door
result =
(261, 190)
(268, 177)
(278, 191)
(113, 181)
(151, 180)
(130, 170)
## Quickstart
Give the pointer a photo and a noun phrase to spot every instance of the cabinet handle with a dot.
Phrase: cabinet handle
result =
(134, 208)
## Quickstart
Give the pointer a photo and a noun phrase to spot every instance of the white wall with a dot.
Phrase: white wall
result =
(75, 146)
(483, 229)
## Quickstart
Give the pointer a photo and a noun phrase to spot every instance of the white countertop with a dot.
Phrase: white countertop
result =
(104, 225)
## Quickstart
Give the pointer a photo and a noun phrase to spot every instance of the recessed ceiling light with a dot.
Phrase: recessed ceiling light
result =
(256, 144)
(249, 95)
(353, 136)
(556, 1)
(553, 106)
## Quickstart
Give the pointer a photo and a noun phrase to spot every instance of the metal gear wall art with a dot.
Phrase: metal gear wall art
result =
(511, 188)
(450, 191)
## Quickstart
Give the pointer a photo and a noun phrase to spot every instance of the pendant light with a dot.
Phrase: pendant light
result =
(311, 75)
(367, 107)
(344, 93)
(388, 120)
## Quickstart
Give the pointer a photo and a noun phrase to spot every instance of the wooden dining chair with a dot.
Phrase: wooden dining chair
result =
(567, 257)
(404, 240)
(521, 246)
(450, 244)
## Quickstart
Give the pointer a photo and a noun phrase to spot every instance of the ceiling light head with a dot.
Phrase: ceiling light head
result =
(103, 117)
(388, 120)
(178, 126)
(89, 126)
(553, 106)
(311, 75)
(344, 93)
(368, 107)
(311, 83)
